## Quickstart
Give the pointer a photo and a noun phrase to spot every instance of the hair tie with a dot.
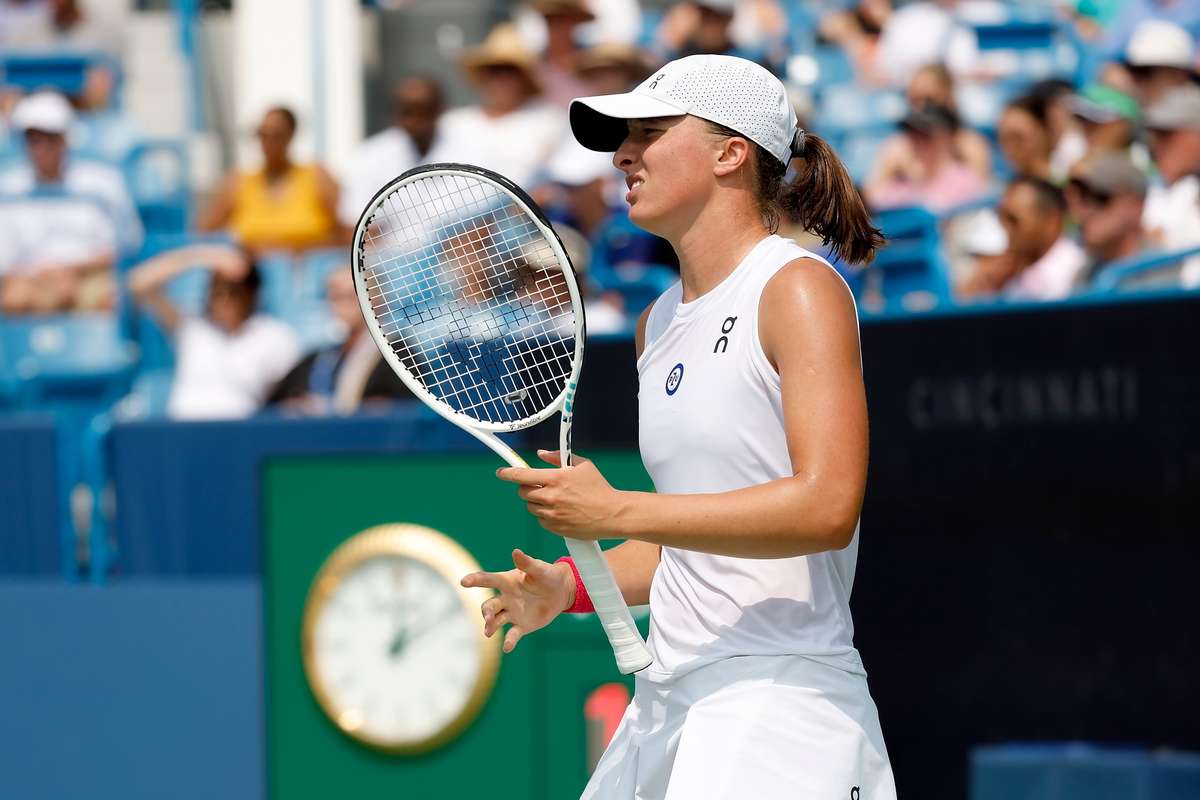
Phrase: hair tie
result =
(799, 140)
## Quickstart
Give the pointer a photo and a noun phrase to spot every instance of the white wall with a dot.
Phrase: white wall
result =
(305, 54)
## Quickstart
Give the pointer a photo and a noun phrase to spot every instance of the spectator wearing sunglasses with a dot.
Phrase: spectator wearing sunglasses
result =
(1106, 195)
(417, 105)
(1046, 263)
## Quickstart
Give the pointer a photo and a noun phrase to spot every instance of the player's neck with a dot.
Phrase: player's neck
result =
(714, 245)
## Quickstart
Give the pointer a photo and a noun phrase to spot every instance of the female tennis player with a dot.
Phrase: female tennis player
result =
(753, 426)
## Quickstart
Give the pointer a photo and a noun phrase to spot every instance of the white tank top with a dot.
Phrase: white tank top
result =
(710, 419)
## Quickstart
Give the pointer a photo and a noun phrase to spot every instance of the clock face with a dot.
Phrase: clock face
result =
(394, 646)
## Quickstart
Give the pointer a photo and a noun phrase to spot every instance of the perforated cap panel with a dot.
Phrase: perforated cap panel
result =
(730, 91)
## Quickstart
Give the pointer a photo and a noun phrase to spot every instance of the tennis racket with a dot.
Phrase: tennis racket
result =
(473, 302)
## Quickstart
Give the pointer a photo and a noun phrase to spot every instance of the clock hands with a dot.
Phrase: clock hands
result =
(406, 635)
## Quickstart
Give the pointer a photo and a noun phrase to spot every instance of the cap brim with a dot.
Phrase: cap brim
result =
(598, 123)
(1093, 112)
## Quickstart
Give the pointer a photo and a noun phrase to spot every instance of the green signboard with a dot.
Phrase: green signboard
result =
(531, 739)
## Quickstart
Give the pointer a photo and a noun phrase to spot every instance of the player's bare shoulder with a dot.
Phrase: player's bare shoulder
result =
(805, 304)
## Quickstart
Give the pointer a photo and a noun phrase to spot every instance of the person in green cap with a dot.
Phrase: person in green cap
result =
(1108, 117)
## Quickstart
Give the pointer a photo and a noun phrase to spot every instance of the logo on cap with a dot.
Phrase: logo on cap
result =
(657, 78)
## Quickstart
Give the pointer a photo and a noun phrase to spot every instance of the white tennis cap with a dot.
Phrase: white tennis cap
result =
(727, 90)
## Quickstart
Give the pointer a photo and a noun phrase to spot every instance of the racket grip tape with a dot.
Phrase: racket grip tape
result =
(630, 650)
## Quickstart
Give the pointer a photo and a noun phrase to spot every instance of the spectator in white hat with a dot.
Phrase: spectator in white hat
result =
(512, 131)
(1160, 56)
(44, 118)
(59, 247)
(1172, 214)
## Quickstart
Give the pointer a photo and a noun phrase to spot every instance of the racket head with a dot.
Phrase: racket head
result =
(470, 296)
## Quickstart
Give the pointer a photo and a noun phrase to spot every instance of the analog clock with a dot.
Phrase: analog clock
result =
(393, 647)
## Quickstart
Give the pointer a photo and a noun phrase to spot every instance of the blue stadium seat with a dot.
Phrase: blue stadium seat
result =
(909, 274)
(849, 109)
(1156, 269)
(639, 285)
(65, 71)
(159, 175)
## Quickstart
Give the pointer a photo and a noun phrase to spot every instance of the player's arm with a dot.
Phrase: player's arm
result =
(220, 210)
(809, 332)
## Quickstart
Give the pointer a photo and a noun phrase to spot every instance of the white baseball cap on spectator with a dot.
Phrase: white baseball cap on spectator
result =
(727, 90)
(43, 111)
(1158, 43)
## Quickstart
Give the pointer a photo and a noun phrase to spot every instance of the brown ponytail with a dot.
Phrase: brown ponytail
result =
(822, 198)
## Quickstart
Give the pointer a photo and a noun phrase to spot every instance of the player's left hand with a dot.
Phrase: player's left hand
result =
(576, 502)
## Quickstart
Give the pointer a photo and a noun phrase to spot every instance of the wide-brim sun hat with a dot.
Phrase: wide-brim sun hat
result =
(502, 47)
(730, 91)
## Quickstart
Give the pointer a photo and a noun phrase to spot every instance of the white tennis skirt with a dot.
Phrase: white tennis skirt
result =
(748, 728)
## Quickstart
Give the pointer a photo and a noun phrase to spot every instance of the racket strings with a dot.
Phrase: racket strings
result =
(469, 293)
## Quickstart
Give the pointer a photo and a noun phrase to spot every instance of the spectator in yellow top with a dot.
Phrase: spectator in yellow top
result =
(282, 205)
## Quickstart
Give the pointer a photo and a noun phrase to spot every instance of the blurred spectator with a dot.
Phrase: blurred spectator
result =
(282, 205)
(511, 131)
(417, 105)
(1130, 14)
(1053, 97)
(61, 25)
(980, 262)
(584, 183)
(1160, 57)
(57, 255)
(560, 84)
(921, 33)
(1106, 194)
(1172, 215)
(712, 27)
(1107, 117)
(857, 31)
(934, 178)
(65, 261)
(44, 118)
(227, 360)
(1045, 262)
(932, 86)
(1038, 133)
(342, 377)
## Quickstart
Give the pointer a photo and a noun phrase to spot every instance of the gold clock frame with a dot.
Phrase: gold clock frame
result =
(450, 560)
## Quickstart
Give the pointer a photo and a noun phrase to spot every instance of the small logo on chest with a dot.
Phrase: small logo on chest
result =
(674, 379)
(722, 343)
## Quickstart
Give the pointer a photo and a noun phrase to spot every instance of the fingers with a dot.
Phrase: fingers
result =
(533, 567)
(527, 476)
(533, 494)
(555, 457)
(512, 637)
(495, 623)
(490, 580)
(551, 457)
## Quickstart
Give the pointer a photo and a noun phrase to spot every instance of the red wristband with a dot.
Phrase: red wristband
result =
(583, 603)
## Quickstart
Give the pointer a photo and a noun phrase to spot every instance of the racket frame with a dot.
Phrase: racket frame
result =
(630, 650)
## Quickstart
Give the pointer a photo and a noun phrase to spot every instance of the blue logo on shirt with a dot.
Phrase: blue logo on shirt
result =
(674, 379)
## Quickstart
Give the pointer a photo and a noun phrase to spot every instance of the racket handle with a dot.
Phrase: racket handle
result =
(631, 652)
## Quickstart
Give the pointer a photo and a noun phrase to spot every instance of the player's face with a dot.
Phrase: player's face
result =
(663, 162)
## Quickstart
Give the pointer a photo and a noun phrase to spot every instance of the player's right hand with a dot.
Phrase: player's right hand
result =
(530, 596)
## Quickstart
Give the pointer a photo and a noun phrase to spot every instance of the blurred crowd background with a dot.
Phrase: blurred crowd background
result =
(1012, 152)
